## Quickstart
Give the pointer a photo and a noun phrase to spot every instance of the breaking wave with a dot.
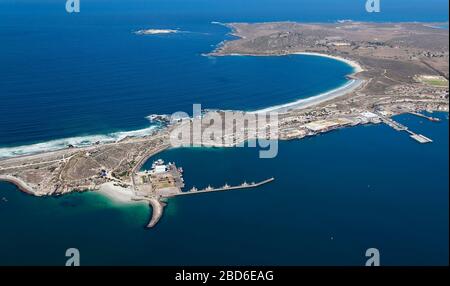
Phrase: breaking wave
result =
(79, 141)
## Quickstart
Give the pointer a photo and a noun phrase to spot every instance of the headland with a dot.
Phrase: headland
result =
(398, 68)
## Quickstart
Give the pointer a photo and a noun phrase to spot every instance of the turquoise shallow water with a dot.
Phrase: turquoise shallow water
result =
(334, 196)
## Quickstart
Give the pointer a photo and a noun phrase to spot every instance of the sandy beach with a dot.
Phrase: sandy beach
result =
(125, 196)
(316, 99)
(313, 100)
(332, 94)
(355, 65)
(117, 193)
(348, 87)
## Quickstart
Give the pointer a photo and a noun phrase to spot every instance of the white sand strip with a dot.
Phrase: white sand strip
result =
(356, 66)
(314, 100)
(117, 193)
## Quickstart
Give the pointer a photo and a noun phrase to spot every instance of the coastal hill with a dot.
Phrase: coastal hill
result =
(391, 52)
(398, 68)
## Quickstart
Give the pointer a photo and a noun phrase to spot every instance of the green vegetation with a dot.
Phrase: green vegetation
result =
(437, 81)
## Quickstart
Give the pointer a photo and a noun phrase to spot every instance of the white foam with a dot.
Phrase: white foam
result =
(344, 89)
(80, 141)
(313, 100)
(83, 141)
(155, 31)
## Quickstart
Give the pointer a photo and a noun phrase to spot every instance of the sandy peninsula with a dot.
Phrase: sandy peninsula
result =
(393, 74)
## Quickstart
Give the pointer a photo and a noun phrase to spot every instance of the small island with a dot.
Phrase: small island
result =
(155, 31)
(398, 68)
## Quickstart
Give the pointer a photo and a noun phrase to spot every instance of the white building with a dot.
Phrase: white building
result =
(369, 115)
(160, 169)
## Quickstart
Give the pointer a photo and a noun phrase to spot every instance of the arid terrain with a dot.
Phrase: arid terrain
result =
(405, 68)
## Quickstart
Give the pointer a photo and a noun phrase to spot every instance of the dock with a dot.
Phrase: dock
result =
(226, 187)
(420, 138)
(164, 181)
(434, 119)
(400, 127)
(392, 123)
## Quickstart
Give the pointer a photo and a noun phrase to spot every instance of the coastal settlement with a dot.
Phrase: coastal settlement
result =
(399, 68)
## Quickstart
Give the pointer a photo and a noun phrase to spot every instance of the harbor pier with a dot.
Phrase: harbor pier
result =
(242, 186)
(400, 127)
(166, 181)
(434, 119)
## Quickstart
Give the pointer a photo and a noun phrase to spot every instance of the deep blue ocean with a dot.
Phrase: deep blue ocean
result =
(73, 76)
(82, 77)
(334, 196)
